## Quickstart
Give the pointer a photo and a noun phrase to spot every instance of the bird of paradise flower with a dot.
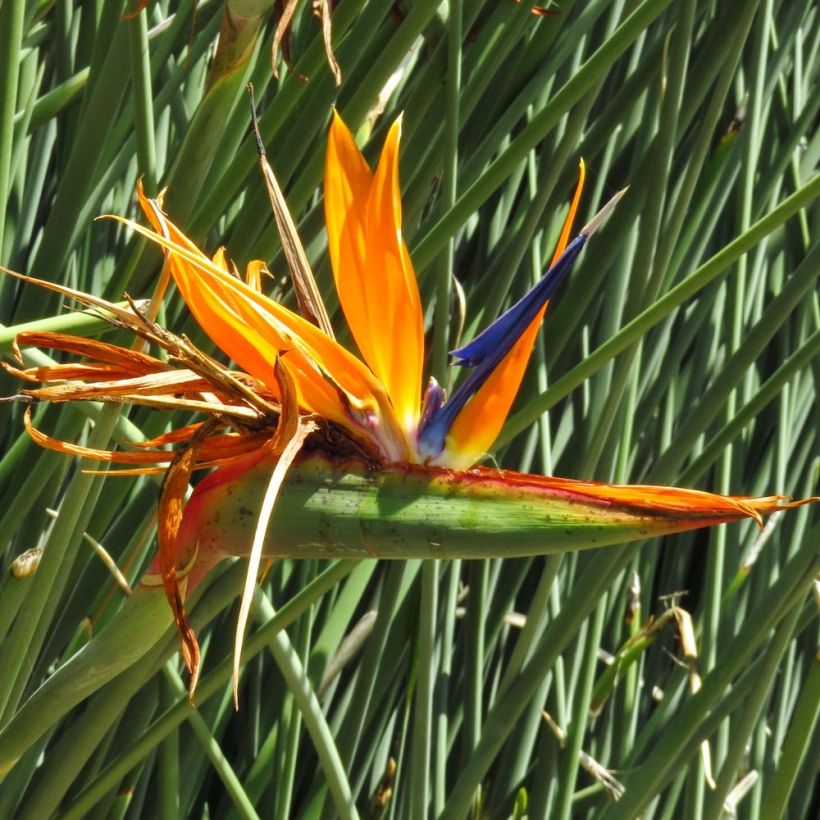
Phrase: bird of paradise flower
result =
(367, 417)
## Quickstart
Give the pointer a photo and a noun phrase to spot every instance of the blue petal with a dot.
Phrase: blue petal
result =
(506, 329)
(489, 348)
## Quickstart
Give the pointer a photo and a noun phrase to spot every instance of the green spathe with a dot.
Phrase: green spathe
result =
(342, 509)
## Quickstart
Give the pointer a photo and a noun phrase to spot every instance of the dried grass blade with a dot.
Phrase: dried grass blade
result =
(327, 36)
(310, 301)
(104, 555)
(686, 632)
(280, 34)
(125, 316)
(290, 435)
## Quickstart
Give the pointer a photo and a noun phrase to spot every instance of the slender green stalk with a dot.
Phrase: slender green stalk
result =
(732, 373)
(12, 16)
(144, 611)
(426, 676)
(534, 624)
(742, 729)
(59, 695)
(795, 747)
(443, 688)
(682, 733)
(143, 102)
(106, 709)
(580, 712)
(169, 756)
(507, 709)
(647, 268)
(107, 83)
(54, 101)
(448, 190)
(215, 754)
(294, 673)
(186, 177)
(475, 648)
(744, 415)
(82, 323)
(31, 627)
(289, 94)
(289, 769)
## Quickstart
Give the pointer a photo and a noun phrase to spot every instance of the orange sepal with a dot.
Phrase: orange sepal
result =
(347, 186)
(253, 329)
(372, 268)
(211, 452)
(397, 324)
(240, 321)
(477, 426)
(169, 517)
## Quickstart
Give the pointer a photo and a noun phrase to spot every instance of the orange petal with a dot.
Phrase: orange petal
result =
(397, 323)
(563, 239)
(253, 273)
(347, 186)
(374, 275)
(253, 329)
(479, 423)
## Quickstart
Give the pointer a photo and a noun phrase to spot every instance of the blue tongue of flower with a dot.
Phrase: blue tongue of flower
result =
(504, 332)
(484, 353)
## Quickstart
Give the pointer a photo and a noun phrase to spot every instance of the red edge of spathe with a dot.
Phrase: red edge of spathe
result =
(486, 477)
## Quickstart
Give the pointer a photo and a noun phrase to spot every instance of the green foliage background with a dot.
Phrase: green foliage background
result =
(684, 350)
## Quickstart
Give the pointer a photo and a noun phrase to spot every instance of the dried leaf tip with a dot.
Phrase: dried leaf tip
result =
(260, 146)
(281, 38)
(308, 296)
(602, 215)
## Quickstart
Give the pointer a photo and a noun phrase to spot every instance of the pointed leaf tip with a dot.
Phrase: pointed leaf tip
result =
(602, 215)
